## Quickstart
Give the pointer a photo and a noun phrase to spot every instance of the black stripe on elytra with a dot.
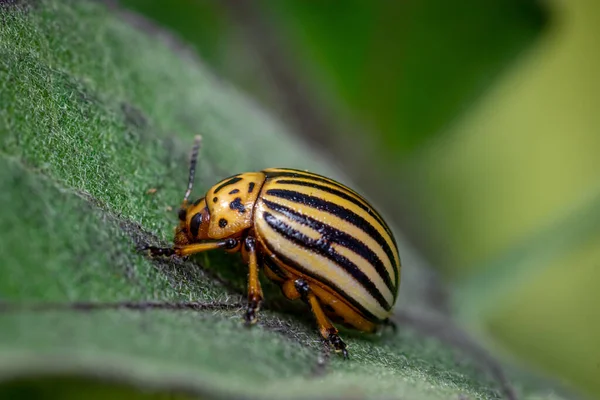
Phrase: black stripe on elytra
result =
(296, 173)
(234, 191)
(293, 173)
(353, 199)
(251, 187)
(272, 265)
(324, 249)
(338, 211)
(234, 179)
(334, 235)
(297, 267)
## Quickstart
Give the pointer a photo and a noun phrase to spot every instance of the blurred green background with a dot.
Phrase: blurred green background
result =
(473, 124)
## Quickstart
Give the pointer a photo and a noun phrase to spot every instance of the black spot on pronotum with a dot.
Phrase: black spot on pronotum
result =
(228, 182)
(234, 191)
(237, 205)
(222, 223)
(195, 224)
(215, 199)
(251, 187)
(182, 214)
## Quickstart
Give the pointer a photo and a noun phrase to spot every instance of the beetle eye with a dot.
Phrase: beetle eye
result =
(182, 214)
(195, 224)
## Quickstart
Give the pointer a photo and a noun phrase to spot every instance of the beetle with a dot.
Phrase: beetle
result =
(319, 240)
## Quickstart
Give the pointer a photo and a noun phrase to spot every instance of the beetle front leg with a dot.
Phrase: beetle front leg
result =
(326, 328)
(159, 251)
(193, 248)
(255, 294)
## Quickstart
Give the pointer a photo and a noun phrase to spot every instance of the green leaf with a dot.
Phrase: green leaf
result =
(94, 114)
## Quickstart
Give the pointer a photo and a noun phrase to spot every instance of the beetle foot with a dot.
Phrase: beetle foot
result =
(251, 316)
(338, 344)
(388, 323)
(159, 251)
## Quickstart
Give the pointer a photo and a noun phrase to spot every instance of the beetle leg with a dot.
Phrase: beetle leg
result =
(160, 251)
(192, 248)
(326, 328)
(391, 324)
(289, 290)
(255, 294)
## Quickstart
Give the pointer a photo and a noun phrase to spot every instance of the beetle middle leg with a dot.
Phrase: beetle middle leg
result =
(329, 332)
(255, 294)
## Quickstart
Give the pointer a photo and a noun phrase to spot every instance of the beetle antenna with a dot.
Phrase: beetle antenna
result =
(193, 161)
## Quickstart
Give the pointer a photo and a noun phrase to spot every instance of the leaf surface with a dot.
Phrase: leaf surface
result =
(96, 121)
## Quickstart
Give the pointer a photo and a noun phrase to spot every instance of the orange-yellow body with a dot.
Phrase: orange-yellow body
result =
(319, 240)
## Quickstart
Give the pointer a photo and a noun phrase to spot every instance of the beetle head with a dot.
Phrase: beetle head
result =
(193, 225)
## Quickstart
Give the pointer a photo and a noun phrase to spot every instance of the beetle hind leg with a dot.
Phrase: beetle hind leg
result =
(388, 323)
(326, 328)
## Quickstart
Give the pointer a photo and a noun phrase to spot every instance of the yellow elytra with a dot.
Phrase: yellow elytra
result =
(319, 240)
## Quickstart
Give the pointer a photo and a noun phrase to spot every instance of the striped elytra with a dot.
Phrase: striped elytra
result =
(332, 235)
(321, 241)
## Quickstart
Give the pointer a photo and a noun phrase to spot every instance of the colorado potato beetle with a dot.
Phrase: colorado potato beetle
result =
(321, 241)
